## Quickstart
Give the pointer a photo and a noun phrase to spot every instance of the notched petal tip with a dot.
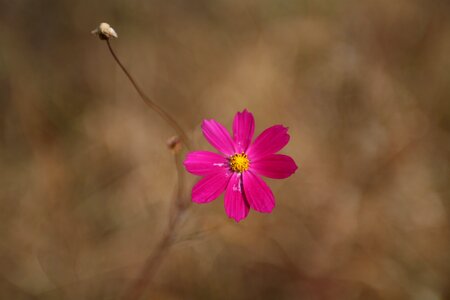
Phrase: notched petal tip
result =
(238, 219)
(277, 166)
(206, 122)
(243, 130)
(270, 141)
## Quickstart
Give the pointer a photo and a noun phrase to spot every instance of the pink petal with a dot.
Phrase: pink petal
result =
(235, 204)
(258, 194)
(204, 162)
(271, 140)
(210, 187)
(276, 166)
(243, 129)
(218, 136)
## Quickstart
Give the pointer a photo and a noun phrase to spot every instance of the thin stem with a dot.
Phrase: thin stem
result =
(179, 206)
(151, 265)
(149, 102)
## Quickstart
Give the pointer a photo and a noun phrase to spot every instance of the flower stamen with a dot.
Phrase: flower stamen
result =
(239, 162)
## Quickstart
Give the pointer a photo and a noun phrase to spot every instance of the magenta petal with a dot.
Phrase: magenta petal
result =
(210, 187)
(235, 204)
(218, 136)
(243, 129)
(204, 162)
(276, 166)
(271, 140)
(258, 194)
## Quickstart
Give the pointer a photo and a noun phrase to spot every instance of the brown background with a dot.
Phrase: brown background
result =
(86, 179)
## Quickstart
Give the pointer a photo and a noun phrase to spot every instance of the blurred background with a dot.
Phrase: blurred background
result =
(87, 181)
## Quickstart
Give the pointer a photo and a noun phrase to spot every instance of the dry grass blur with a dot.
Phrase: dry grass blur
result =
(86, 179)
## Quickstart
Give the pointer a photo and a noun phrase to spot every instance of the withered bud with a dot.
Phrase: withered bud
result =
(105, 31)
(174, 143)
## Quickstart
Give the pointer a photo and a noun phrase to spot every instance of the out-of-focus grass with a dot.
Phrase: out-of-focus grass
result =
(86, 179)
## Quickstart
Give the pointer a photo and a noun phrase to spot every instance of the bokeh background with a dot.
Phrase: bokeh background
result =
(87, 181)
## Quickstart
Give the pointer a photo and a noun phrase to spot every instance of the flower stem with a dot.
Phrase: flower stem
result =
(149, 102)
(137, 288)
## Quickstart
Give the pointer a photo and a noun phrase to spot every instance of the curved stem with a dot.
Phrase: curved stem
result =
(150, 267)
(149, 102)
(137, 288)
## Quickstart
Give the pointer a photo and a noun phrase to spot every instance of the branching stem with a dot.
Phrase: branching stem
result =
(179, 205)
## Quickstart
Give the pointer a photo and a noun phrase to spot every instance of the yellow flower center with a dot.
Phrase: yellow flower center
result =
(239, 162)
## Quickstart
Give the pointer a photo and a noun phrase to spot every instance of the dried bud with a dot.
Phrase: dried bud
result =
(174, 143)
(105, 31)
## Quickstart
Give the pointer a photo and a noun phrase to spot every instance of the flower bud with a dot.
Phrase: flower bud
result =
(105, 31)
(174, 143)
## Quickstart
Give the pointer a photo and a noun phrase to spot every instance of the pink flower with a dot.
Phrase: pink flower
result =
(238, 168)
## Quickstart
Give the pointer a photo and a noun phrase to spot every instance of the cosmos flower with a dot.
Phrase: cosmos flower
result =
(237, 170)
